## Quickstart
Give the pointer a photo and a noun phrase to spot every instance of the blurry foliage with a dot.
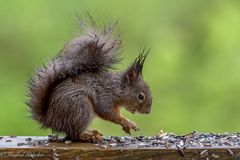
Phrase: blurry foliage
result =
(193, 68)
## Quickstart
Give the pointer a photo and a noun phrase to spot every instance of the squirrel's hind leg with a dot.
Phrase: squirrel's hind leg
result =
(70, 112)
(83, 115)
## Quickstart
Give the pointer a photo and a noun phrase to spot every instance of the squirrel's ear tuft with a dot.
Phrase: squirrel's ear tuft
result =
(135, 70)
(139, 61)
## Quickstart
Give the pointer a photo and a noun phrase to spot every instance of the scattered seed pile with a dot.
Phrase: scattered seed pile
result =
(170, 140)
(14, 140)
(162, 140)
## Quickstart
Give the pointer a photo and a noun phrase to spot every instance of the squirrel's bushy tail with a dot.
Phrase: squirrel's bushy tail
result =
(95, 52)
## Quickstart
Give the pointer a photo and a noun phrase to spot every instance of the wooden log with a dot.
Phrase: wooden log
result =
(40, 148)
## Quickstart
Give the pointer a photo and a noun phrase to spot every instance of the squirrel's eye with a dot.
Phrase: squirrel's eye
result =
(141, 96)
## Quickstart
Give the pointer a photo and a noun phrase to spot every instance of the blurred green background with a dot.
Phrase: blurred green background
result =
(193, 68)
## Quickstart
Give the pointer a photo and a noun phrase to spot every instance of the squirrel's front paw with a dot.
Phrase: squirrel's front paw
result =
(128, 125)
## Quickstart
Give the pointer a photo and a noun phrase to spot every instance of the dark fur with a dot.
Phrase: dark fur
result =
(67, 93)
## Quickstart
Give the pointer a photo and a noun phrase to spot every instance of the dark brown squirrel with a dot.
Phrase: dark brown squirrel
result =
(78, 84)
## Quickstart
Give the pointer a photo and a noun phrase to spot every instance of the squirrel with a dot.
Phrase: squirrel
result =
(79, 84)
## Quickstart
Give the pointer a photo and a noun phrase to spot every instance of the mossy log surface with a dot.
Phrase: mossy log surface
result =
(126, 148)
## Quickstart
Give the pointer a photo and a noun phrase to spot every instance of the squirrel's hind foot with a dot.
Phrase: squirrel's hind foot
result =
(91, 136)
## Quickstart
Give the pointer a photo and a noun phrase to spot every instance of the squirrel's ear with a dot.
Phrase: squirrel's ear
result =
(131, 76)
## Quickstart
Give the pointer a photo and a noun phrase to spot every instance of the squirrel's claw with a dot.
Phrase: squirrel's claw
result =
(127, 130)
(136, 128)
(97, 139)
(128, 125)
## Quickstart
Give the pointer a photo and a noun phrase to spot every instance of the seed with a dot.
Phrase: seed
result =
(120, 144)
(28, 139)
(140, 145)
(230, 152)
(215, 156)
(68, 142)
(41, 142)
(32, 143)
(107, 138)
(13, 136)
(204, 153)
(113, 144)
(181, 152)
(21, 144)
(103, 146)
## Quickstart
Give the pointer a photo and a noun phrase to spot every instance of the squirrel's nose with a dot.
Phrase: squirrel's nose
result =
(148, 111)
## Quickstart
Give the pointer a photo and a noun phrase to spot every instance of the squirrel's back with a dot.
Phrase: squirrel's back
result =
(94, 53)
